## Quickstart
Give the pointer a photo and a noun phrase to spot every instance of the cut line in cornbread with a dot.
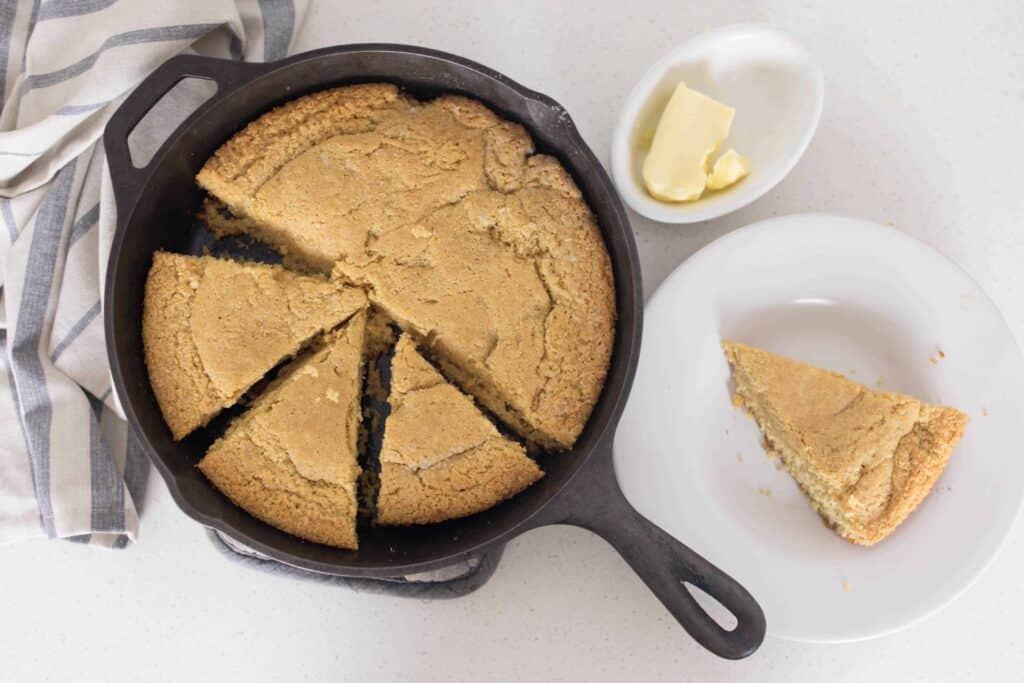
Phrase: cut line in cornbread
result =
(291, 460)
(441, 457)
(212, 328)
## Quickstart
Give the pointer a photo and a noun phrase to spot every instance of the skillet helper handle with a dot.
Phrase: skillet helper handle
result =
(127, 178)
(595, 502)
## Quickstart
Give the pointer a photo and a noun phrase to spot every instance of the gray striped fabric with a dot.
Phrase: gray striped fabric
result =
(68, 467)
(61, 9)
(160, 34)
(7, 14)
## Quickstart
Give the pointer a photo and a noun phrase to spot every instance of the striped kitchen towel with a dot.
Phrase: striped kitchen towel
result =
(67, 468)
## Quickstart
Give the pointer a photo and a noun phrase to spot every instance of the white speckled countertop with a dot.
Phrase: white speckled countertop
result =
(922, 129)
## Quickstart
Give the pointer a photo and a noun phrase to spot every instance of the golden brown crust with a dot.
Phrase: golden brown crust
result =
(919, 460)
(531, 335)
(518, 304)
(185, 393)
(865, 458)
(386, 159)
(253, 155)
(441, 458)
(212, 328)
(291, 459)
(462, 485)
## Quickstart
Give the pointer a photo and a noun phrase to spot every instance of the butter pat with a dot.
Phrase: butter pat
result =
(690, 130)
(729, 168)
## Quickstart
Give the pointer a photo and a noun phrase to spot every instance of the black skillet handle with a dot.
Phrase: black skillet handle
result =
(594, 501)
(128, 179)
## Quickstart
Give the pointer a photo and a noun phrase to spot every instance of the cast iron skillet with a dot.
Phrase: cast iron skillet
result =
(155, 207)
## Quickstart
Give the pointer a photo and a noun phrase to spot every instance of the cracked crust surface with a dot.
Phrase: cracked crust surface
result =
(481, 248)
(512, 293)
(316, 176)
(865, 458)
(212, 328)
(291, 459)
(441, 457)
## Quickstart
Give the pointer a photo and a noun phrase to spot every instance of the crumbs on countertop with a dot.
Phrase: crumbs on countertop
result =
(739, 457)
(847, 587)
(764, 491)
(937, 356)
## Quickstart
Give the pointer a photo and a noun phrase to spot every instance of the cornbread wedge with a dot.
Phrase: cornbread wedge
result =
(212, 328)
(441, 457)
(865, 458)
(291, 459)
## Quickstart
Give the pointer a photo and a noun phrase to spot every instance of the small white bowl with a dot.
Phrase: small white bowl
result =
(772, 82)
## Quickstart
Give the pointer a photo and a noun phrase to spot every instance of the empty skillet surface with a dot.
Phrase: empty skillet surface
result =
(156, 209)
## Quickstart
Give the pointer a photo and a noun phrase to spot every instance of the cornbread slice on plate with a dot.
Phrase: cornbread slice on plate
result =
(212, 328)
(291, 459)
(441, 457)
(865, 458)
(316, 175)
(512, 293)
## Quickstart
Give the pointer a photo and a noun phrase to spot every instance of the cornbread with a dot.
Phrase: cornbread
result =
(291, 459)
(316, 176)
(511, 293)
(212, 328)
(483, 250)
(441, 458)
(480, 253)
(865, 458)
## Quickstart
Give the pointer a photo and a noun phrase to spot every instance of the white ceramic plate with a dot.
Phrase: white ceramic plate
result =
(872, 303)
(773, 83)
